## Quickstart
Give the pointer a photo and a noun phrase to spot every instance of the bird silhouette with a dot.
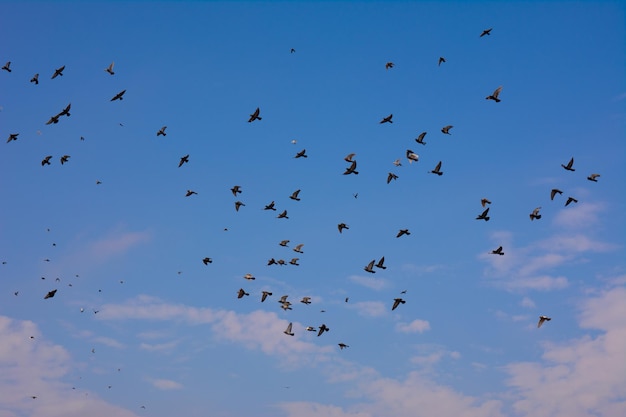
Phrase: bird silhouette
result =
(46, 160)
(161, 131)
(342, 346)
(485, 32)
(349, 157)
(12, 137)
(568, 167)
(109, 69)
(301, 154)
(497, 251)
(402, 232)
(483, 215)
(190, 192)
(397, 302)
(420, 138)
(294, 261)
(236, 190)
(183, 160)
(53, 120)
(322, 329)
(543, 319)
(554, 192)
(342, 226)
(7, 66)
(271, 261)
(238, 204)
(66, 111)
(298, 248)
(387, 119)
(389, 65)
(306, 300)
(437, 169)
(535, 214)
(370, 267)
(255, 116)
(283, 215)
(494, 95)
(441, 59)
(593, 177)
(207, 261)
(241, 293)
(270, 206)
(284, 243)
(294, 195)
(35, 79)
(57, 72)
(484, 202)
(120, 96)
(249, 277)
(570, 200)
(391, 176)
(64, 159)
(380, 263)
(264, 295)
(397, 163)
(292, 50)
(351, 169)
(288, 330)
(50, 294)
(446, 129)
(412, 156)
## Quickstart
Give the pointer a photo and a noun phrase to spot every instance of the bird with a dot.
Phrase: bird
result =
(412, 156)
(397, 163)
(46, 160)
(161, 131)
(57, 72)
(391, 176)
(306, 300)
(446, 129)
(183, 160)
(271, 261)
(322, 329)
(64, 159)
(351, 169)
(298, 248)
(310, 329)
(437, 169)
(53, 120)
(254, 116)
(288, 330)
(270, 206)
(236, 190)
(387, 119)
(35, 79)
(301, 154)
(109, 69)
(497, 251)
(238, 204)
(441, 59)
(264, 295)
(98, 182)
(284, 243)
(294, 261)
(380, 263)
(403, 232)
(65, 111)
(420, 138)
(535, 214)
(342, 346)
(396, 303)
(389, 65)
(283, 299)
(370, 267)
(342, 226)
(485, 32)
(12, 136)
(349, 157)
(50, 294)
(593, 177)
(190, 192)
(249, 277)
(568, 167)
(241, 293)
(286, 306)
(292, 50)
(294, 195)
(484, 202)
(570, 200)
(283, 215)
(483, 215)
(554, 192)
(7, 66)
(494, 95)
(120, 96)
(542, 319)
(207, 261)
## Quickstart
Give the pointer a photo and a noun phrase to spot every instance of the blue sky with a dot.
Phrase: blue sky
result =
(170, 336)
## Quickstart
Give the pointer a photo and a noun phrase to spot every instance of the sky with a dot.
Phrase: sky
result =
(140, 326)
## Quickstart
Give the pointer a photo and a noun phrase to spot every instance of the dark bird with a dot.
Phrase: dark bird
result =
(568, 167)
(342, 346)
(483, 215)
(236, 190)
(264, 295)
(270, 206)
(161, 131)
(207, 261)
(98, 182)
(292, 50)
(120, 96)
(35, 79)
(554, 192)
(298, 248)
(349, 157)
(484, 202)
(301, 154)
(486, 32)
(389, 65)
(238, 204)
(322, 329)
(271, 261)
(542, 319)
(370, 267)
(57, 72)
(535, 214)
(342, 226)
(284, 243)
(396, 303)
(288, 330)
(109, 69)
(50, 294)
(7, 66)
(46, 160)
(380, 263)
(190, 192)
(420, 138)
(403, 232)
(294, 195)
(494, 95)
(254, 116)
(446, 129)
(391, 176)
(12, 136)
(593, 177)
(53, 119)
(241, 293)
(412, 156)
(570, 200)
(306, 300)
(294, 261)
(497, 251)
(441, 59)
(183, 160)
(387, 119)
(351, 169)
(437, 169)
(283, 215)
(64, 159)
(66, 111)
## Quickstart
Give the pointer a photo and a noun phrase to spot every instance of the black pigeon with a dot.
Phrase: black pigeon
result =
(420, 138)
(53, 119)
(494, 95)
(236, 190)
(380, 263)
(207, 261)
(255, 116)
(322, 329)
(183, 160)
(264, 295)
(190, 192)
(270, 206)
(161, 131)
(389, 65)
(301, 154)
(241, 293)
(35, 79)
(57, 72)
(397, 302)
(403, 232)
(12, 136)
(294, 195)
(483, 215)
(66, 111)
(437, 170)
(342, 226)
(109, 69)
(50, 294)
(570, 200)
(391, 176)
(46, 160)
(283, 215)
(7, 66)
(119, 96)
(387, 119)
(568, 167)
(486, 32)
(554, 192)
(441, 59)
(497, 251)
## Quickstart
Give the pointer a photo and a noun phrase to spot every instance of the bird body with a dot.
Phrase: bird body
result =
(7, 66)
(535, 214)
(283, 215)
(255, 116)
(397, 302)
(484, 215)
(301, 154)
(342, 226)
(497, 251)
(402, 232)
(64, 159)
(120, 96)
(412, 156)
(12, 137)
(249, 277)
(270, 206)
(554, 192)
(568, 167)
(441, 59)
(35, 79)
(46, 160)
(351, 169)
(342, 346)
(593, 177)
(241, 293)
(437, 169)
(322, 329)
(264, 295)
(446, 129)
(57, 72)
(50, 294)
(190, 192)
(387, 119)
(380, 263)
(485, 32)
(494, 95)
(183, 160)
(298, 248)
(109, 69)
(420, 138)
(161, 131)
(370, 267)
(570, 200)
(294, 195)
(207, 261)
(288, 331)
(238, 204)
(306, 300)
(236, 190)
(389, 65)
(284, 243)
(391, 176)
(543, 319)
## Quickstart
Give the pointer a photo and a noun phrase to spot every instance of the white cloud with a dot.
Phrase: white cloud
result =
(369, 282)
(416, 326)
(527, 302)
(166, 384)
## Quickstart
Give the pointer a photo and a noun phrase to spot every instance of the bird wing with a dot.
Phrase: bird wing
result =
(496, 93)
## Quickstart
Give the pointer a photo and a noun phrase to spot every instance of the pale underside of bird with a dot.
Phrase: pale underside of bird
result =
(569, 165)
(420, 138)
(535, 214)
(387, 119)
(543, 319)
(593, 177)
(109, 69)
(161, 131)
(284, 243)
(255, 116)
(294, 261)
(411, 156)
(446, 129)
(351, 169)
(310, 329)
(484, 215)
(294, 195)
(494, 96)
(497, 251)
(306, 300)
(283, 299)
(437, 169)
(554, 192)
(288, 331)
(370, 267)
(298, 248)
(396, 303)
(249, 277)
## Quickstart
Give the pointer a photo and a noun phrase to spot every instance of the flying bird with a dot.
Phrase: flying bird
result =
(380, 263)
(241, 293)
(271, 261)
(284, 243)
(370, 267)
(292, 50)
(254, 116)
(161, 131)
(484, 202)
(397, 302)
(446, 129)
(64, 159)
(351, 169)
(437, 170)
(283, 215)
(497, 251)
(294, 195)
(283, 299)
(391, 176)
(441, 59)
(349, 157)
(298, 248)
(593, 177)
(570, 200)
(483, 215)
(236, 190)
(306, 300)
(535, 214)
(120, 96)
(66, 111)
(183, 160)
(7, 66)
(342, 226)
(310, 329)
(264, 295)
(46, 160)
(322, 329)
(389, 65)
(342, 346)
(50, 294)
(403, 232)
(387, 119)
(238, 204)
(420, 138)
(57, 72)
(12, 136)
(294, 261)
(207, 261)
(494, 95)
(397, 163)
(554, 192)
(288, 330)
(35, 79)
(190, 192)
(301, 154)
(54, 119)
(270, 206)
(486, 32)
(412, 156)
(249, 277)
(109, 69)
(568, 167)
(543, 319)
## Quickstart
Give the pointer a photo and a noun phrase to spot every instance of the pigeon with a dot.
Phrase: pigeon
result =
(554, 192)
(283, 215)
(120, 96)
(494, 95)
(351, 169)
(283, 299)
(53, 120)
(387, 119)
(284, 243)
(542, 319)
(420, 138)
(403, 232)
(281, 262)
(271, 261)
(593, 177)
(241, 293)
(301, 154)
(264, 295)
(486, 32)
(349, 157)
(286, 306)
(65, 111)
(412, 156)
(397, 302)
(190, 192)
(46, 160)
(50, 294)
(437, 169)
(288, 330)
(270, 206)
(249, 277)
(255, 116)
(497, 251)
(446, 129)
(161, 131)
(570, 200)
(64, 159)
(109, 69)
(237, 190)
(294, 195)
(568, 167)
(292, 50)
(35, 79)
(397, 163)
(57, 72)
(310, 329)
(389, 65)
(484, 202)
(441, 59)
(391, 176)
(535, 214)
(7, 66)
(342, 226)
(306, 300)
(342, 346)
(183, 160)
(322, 329)
(12, 136)
(298, 248)
(380, 263)
(294, 261)
(238, 204)
(207, 261)
(483, 215)
(370, 267)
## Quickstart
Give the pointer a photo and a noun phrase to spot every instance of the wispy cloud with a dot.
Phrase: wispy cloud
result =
(369, 282)
(165, 384)
(369, 308)
(416, 326)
